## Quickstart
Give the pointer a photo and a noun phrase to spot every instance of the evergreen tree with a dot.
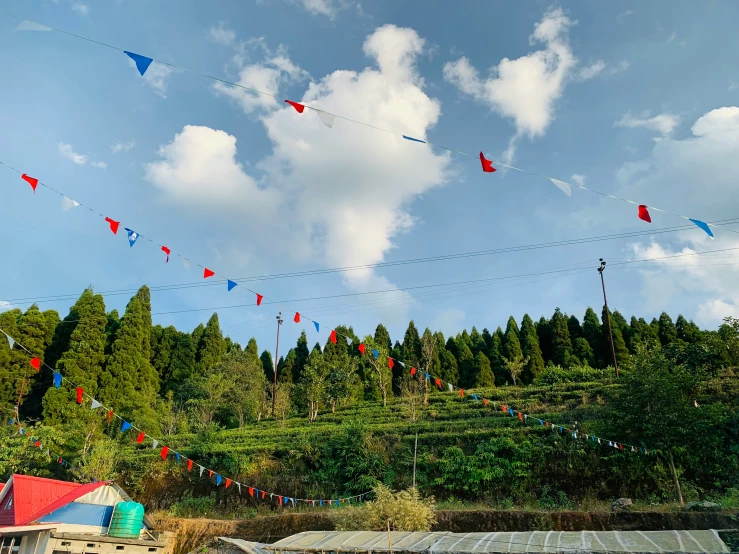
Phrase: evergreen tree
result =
(622, 353)
(497, 357)
(181, 369)
(268, 365)
(667, 329)
(483, 373)
(52, 322)
(449, 367)
(111, 328)
(544, 332)
(488, 338)
(163, 343)
(530, 350)
(512, 344)
(285, 367)
(583, 352)
(573, 326)
(591, 332)
(620, 321)
(252, 350)
(410, 353)
(82, 363)
(478, 343)
(62, 333)
(465, 363)
(8, 385)
(382, 337)
(211, 346)
(31, 334)
(301, 358)
(561, 343)
(687, 330)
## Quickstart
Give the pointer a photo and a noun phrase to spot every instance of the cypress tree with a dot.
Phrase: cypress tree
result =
(667, 329)
(181, 368)
(620, 322)
(301, 358)
(544, 332)
(573, 326)
(530, 349)
(412, 345)
(163, 343)
(268, 365)
(561, 343)
(496, 357)
(687, 330)
(465, 363)
(252, 352)
(382, 337)
(31, 334)
(478, 343)
(285, 367)
(8, 386)
(211, 347)
(483, 372)
(584, 353)
(512, 344)
(591, 332)
(622, 353)
(449, 367)
(82, 364)
(111, 328)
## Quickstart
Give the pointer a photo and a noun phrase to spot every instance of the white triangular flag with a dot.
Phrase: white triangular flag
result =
(561, 185)
(11, 341)
(155, 443)
(239, 485)
(451, 387)
(186, 263)
(95, 404)
(202, 469)
(68, 203)
(348, 340)
(27, 25)
(327, 118)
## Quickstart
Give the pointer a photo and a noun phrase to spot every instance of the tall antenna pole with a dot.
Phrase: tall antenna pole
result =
(277, 354)
(608, 314)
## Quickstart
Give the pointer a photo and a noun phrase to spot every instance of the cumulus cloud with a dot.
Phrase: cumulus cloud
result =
(157, 77)
(579, 179)
(664, 123)
(66, 151)
(697, 177)
(122, 146)
(328, 8)
(82, 9)
(623, 65)
(592, 70)
(5, 306)
(525, 89)
(343, 193)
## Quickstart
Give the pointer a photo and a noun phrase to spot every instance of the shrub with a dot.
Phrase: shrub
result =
(401, 511)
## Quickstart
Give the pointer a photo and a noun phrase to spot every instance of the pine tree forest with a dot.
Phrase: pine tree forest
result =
(344, 421)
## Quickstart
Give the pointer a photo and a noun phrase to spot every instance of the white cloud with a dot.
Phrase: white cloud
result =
(733, 86)
(579, 179)
(156, 77)
(624, 14)
(672, 36)
(82, 9)
(343, 194)
(623, 65)
(664, 123)
(122, 146)
(4, 307)
(99, 165)
(222, 34)
(328, 8)
(524, 89)
(591, 71)
(68, 152)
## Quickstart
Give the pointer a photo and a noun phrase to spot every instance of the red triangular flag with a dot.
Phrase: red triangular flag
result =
(31, 181)
(620, 446)
(210, 473)
(503, 409)
(361, 347)
(113, 225)
(189, 465)
(299, 107)
(37, 444)
(461, 392)
(264, 493)
(251, 492)
(520, 416)
(413, 371)
(296, 319)
(80, 392)
(487, 165)
(35, 363)
(546, 424)
(332, 337)
(140, 438)
(485, 401)
(280, 498)
(228, 482)
(259, 299)
(167, 251)
(390, 362)
(164, 451)
(644, 213)
(207, 273)
(110, 416)
(438, 383)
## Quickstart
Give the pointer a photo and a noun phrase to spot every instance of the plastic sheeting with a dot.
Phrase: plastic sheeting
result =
(495, 542)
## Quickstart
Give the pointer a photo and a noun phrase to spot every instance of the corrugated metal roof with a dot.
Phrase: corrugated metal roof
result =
(495, 542)
(30, 494)
(247, 546)
(71, 496)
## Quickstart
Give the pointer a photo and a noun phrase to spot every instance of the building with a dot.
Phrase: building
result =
(46, 516)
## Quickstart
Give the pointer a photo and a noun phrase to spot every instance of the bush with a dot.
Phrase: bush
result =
(555, 374)
(191, 506)
(401, 511)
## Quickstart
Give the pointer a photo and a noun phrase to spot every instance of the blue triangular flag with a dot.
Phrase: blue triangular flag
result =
(428, 377)
(560, 429)
(23, 431)
(218, 479)
(510, 411)
(231, 284)
(540, 422)
(475, 397)
(132, 236)
(376, 354)
(318, 327)
(126, 426)
(142, 62)
(703, 225)
(177, 455)
(321, 503)
(57, 379)
(11, 421)
(285, 500)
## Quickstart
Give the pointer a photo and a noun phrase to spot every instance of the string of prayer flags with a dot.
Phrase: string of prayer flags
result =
(487, 165)
(167, 251)
(31, 181)
(35, 363)
(298, 106)
(142, 62)
(230, 284)
(643, 213)
(132, 236)
(113, 225)
(207, 273)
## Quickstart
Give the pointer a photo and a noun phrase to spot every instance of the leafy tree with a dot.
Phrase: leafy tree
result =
(484, 377)
(285, 367)
(430, 359)
(389, 511)
(32, 334)
(82, 364)
(582, 350)
(561, 342)
(380, 373)
(268, 365)
(511, 344)
(515, 367)
(247, 385)
(530, 349)
(687, 330)
(8, 385)
(667, 329)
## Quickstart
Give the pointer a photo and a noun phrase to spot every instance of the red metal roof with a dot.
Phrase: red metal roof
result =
(29, 496)
(63, 501)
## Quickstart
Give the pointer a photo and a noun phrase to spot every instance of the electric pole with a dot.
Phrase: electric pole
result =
(277, 353)
(608, 314)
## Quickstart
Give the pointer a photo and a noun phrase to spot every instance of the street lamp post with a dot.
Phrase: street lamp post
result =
(608, 314)
(277, 354)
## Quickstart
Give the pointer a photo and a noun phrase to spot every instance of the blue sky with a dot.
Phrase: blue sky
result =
(637, 100)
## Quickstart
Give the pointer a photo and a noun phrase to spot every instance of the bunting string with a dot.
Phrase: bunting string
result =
(143, 63)
(165, 452)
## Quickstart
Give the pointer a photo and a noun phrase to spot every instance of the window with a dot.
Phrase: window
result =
(120, 547)
(8, 503)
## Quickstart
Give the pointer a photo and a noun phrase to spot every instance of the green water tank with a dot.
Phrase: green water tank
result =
(128, 517)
